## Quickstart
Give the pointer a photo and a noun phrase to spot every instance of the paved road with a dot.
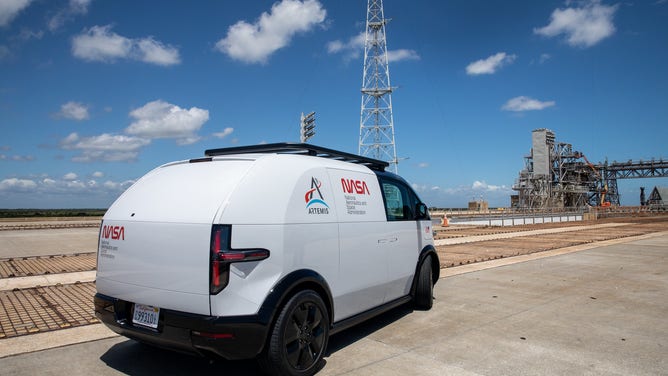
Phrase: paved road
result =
(599, 311)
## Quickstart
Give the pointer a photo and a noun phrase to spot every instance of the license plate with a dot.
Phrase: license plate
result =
(146, 315)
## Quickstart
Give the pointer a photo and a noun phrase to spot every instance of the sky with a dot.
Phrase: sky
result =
(94, 94)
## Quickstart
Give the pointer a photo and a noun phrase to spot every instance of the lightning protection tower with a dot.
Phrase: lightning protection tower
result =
(376, 122)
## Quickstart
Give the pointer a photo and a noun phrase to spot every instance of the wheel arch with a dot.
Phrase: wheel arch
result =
(429, 250)
(298, 280)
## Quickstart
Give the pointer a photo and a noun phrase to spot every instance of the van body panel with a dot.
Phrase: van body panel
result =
(363, 271)
(152, 260)
(274, 190)
(250, 281)
(402, 256)
(312, 198)
(357, 195)
(160, 298)
(361, 220)
(162, 258)
(180, 193)
(312, 246)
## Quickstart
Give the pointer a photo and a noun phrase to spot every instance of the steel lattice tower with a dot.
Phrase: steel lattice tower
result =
(376, 122)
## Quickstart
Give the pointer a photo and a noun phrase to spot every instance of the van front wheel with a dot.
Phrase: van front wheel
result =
(299, 338)
(424, 291)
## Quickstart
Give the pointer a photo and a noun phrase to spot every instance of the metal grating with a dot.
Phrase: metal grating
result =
(40, 265)
(43, 309)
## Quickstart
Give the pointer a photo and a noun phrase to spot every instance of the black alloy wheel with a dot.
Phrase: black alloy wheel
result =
(299, 337)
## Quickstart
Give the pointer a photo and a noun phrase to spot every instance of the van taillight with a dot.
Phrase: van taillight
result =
(222, 255)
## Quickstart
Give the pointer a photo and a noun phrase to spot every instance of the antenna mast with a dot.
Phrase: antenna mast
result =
(376, 121)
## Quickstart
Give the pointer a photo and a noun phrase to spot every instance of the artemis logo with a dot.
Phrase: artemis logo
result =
(314, 196)
(113, 232)
(354, 186)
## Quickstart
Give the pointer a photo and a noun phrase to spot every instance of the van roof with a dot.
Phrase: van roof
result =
(300, 149)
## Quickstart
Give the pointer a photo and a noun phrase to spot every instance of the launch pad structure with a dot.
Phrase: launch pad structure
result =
(557, 176)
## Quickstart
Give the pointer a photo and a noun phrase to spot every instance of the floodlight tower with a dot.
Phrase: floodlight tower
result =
(376, 122)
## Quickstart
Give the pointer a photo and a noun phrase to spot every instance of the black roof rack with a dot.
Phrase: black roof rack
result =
(304, 149)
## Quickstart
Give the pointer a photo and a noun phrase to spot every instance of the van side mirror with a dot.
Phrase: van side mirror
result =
(422, 211)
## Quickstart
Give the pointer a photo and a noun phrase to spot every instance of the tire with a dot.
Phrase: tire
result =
(298, 339)
(424, 290)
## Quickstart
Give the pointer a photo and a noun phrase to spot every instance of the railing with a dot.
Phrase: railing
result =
(515, 217)
(509, 219)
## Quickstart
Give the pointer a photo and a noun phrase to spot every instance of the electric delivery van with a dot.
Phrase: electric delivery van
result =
(262, 252)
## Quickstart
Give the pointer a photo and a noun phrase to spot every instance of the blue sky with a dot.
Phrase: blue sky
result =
(95, 94)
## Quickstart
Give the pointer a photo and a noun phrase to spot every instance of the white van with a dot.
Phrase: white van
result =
(262, 251)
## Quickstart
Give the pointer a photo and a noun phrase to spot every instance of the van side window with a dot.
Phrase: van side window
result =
(399, 201)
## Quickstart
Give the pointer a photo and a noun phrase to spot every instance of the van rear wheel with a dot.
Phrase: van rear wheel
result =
(424, 291)
(299, 337)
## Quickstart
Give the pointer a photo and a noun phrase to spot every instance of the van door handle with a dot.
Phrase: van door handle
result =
(388, 240)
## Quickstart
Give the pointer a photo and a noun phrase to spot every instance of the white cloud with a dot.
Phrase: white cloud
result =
(402, 54)
(14, 184)
(23, 158)
(457, 197)
(105, 147)
(154, 52)
(17, 158)
(523, 103)
(582, 27)
(74, 8)
(101, 44)
(9, 9)
(254, 43)
(98, 174)
(70, 139)
(159, 119)
(354, 47)
(423, 165)
(226, 132)
(104, 142)
(482, 186)
(74, 111)
(490, 65)
(75, 184)
(335, 46)
(63, 192)
(118, 185)
(70, 176)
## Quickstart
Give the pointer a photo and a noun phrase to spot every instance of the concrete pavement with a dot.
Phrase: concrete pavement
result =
(25, 243)
(598, 311)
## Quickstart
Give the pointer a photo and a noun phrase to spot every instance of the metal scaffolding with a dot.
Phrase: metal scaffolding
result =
(556, 176)
(376, 121)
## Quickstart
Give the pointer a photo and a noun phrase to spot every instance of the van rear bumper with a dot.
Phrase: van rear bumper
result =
(237, 337)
